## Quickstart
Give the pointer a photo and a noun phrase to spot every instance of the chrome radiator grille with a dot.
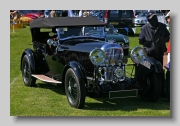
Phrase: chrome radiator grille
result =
(110, 73)
(113, 56)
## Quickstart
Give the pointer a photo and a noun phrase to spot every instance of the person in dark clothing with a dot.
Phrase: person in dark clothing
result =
(64, 13)
(58, 13)
(153, 37)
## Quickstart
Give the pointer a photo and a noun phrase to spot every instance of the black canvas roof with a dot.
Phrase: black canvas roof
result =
(65, 22)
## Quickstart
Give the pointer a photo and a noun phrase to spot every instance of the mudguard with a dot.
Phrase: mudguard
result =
(147, 66)
(156, 64)
(29, 52)
(78, 69)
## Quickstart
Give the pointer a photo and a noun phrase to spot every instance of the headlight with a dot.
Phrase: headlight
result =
(97, 56)
(138, 54)
(126, 40)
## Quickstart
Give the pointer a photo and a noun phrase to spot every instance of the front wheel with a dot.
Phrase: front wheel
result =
(27, 72)
(74, 89)
(152, 86)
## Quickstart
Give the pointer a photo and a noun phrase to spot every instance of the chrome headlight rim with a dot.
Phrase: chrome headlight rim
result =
(126, 40)
(97, 56)
(138, 52)
(119, 72)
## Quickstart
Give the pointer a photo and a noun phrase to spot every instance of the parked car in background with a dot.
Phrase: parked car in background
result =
(20, 18)
(141, 19)
(121, 19)
(137, 12)
(36, 13)
(162, 19)
(86, 65)
(26, 13)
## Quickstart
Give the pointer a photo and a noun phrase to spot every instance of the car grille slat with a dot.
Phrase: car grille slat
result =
(112, 54)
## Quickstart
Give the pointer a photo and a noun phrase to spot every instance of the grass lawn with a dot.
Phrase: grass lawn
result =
(49, 100)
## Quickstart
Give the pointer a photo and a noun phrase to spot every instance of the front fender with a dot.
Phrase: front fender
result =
(156, 64)
(78, 69)
(147, 66)
(30, 53)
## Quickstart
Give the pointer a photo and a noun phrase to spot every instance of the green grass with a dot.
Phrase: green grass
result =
(49, 100)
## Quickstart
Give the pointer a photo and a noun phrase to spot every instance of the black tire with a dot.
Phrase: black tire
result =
(28, 80)
(152, 86)
(75, 89)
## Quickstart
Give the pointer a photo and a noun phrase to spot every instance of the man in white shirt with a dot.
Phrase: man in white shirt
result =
(80, 13)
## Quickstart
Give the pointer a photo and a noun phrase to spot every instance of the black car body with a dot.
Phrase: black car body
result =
(86, 65)
(110, 34)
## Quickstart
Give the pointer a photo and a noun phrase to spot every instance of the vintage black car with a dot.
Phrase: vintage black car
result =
(86, 65)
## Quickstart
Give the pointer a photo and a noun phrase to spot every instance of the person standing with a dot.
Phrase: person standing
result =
(80, 13)
(64, 13)
(168, 61)
(46, 13)
(52, 13)
(58, 13)
(85, 14)
(153, 37)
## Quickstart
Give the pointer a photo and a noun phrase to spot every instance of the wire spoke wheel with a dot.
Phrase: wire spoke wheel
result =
(27, 72)
(75, 89)
(72, 89)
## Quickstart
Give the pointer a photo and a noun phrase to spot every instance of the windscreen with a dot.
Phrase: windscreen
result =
(93, 31)
(114, 13)
(126, 14)
(68, 32)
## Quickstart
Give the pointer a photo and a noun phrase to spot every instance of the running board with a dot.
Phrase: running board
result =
(123, 93)
(45, 78)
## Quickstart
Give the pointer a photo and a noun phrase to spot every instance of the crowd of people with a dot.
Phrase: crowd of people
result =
(64, 13)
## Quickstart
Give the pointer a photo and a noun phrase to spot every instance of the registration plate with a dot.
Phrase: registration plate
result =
(114, 23)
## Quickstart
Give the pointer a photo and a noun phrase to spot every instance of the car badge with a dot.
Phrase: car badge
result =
(111, 41)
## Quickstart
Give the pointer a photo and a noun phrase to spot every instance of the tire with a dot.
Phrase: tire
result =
(152, 86)
(28, 80)
(74, 89)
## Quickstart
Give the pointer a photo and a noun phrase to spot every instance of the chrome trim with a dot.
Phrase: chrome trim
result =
(133, 50)
(110, 46)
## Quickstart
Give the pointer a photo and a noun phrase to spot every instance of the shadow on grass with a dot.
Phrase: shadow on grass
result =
(105, 104)
(50, 86)
(126, 104)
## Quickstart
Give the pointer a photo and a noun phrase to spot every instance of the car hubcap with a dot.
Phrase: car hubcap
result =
(72, 89)
(26, 72)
